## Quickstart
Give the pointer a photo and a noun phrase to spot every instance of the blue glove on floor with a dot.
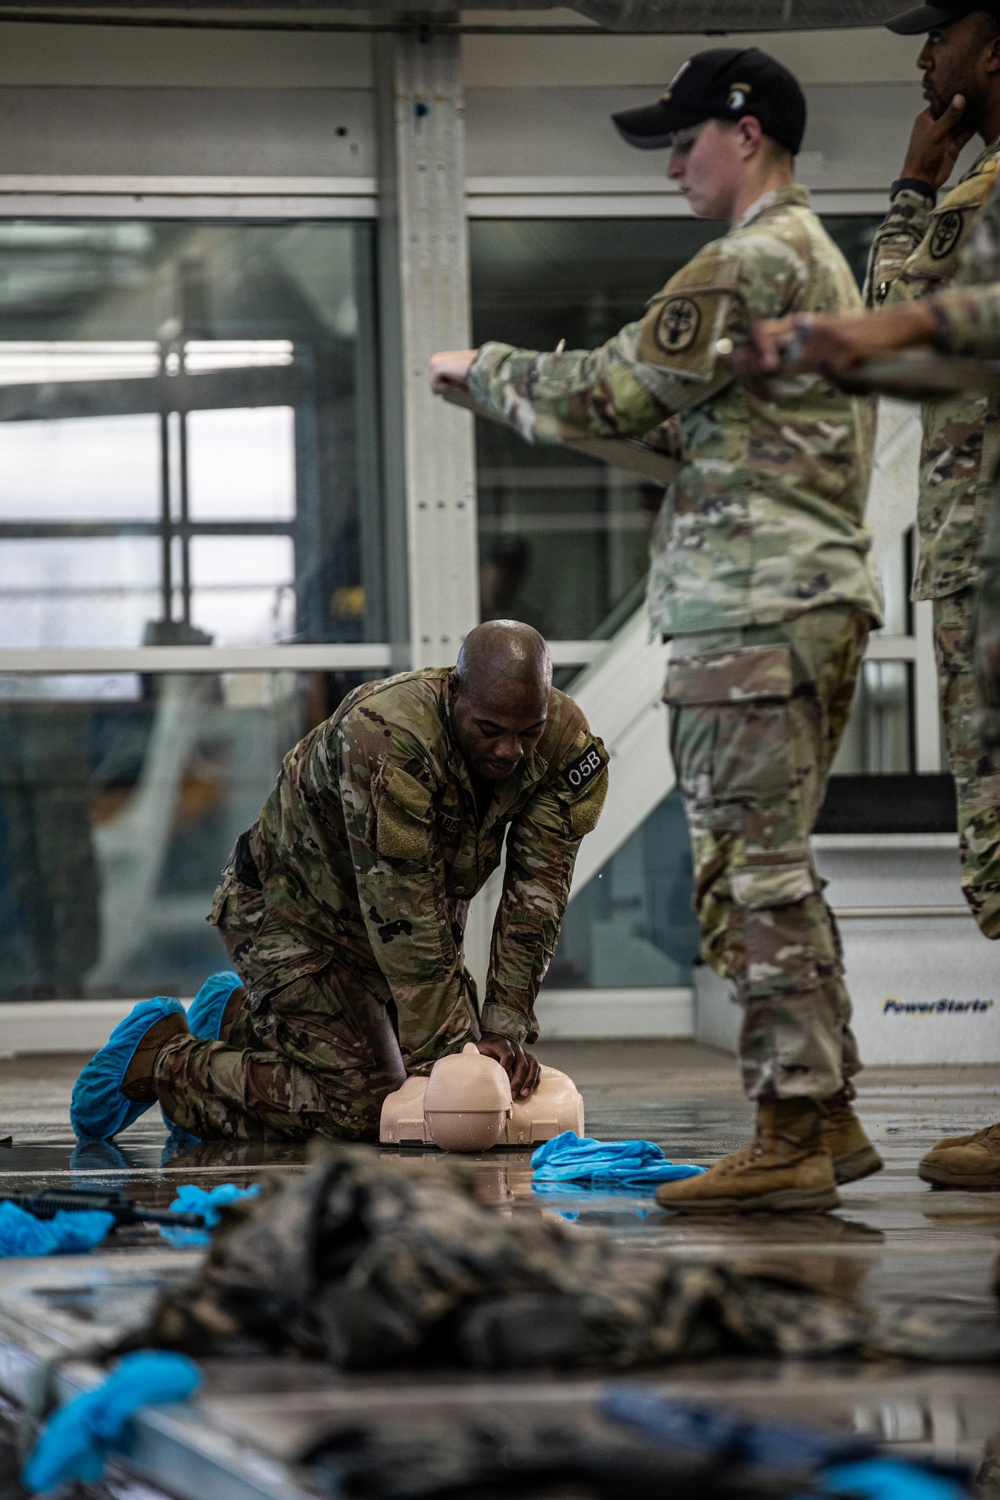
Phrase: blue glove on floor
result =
(890, 1479)
(578, 1160)
(64, 1234)
(76, 1440)
(192, 1199)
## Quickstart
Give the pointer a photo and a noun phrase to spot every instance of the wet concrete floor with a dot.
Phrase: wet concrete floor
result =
(895, 1242)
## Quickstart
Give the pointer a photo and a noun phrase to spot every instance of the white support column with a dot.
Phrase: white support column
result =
(428, 445)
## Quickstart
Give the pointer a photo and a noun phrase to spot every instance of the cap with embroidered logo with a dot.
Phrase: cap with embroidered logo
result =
(725, 83)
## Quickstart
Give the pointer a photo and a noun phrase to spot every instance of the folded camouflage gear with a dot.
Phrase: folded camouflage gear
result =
(373, 1264)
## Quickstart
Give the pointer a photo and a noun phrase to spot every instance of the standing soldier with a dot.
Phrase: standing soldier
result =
(920, 252)
(761, 576)
(344, 907)
(962, 319)
(916, 253)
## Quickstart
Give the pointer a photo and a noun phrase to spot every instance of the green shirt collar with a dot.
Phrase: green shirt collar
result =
(794, 195)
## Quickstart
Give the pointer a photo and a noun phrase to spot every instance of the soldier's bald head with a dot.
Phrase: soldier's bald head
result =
(500, 691)
(503, 655)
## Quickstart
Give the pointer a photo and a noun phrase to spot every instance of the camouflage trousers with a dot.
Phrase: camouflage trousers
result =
(312, 1052)
(756, 718)
(977, 784)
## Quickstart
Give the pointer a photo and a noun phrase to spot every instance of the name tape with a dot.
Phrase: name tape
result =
(583, 770)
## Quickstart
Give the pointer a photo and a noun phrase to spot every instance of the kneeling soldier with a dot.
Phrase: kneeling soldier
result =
(343, 909)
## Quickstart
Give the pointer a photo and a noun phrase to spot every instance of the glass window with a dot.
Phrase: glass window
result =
(563, 540)
(120, 799)
(185, 434)
(632, 926)
(879, 737)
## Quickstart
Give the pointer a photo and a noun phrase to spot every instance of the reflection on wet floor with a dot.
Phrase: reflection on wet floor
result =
(896, 1243)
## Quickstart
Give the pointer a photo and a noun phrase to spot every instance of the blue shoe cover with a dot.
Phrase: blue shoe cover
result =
(206, 1009)
(99, 1108)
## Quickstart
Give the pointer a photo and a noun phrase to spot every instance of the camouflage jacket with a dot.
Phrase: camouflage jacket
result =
(917, 252)
(371, 843)
(766, 518)
(968, 312)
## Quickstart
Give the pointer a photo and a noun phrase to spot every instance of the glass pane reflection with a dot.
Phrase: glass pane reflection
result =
(218, 396)
(120, 800)
(633, 926)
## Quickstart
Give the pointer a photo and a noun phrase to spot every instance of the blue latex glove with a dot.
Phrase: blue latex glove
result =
(891, 1479)
(192, 1199)
(76, 1441)
(65, 1233)
(577, 1159)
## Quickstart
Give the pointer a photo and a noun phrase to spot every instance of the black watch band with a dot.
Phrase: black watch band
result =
(913, 185)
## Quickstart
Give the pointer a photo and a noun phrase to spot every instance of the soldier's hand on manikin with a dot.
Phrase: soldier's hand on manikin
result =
(450, 369)
(521, 1068)
(936, 144)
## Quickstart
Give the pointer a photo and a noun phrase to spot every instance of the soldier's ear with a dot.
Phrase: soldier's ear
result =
(750, 135)
(992, 59)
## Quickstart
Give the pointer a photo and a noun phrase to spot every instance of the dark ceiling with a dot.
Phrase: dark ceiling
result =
(711, 17)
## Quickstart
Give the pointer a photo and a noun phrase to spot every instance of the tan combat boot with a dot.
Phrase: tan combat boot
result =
(137, 1085)
(785, 1169)
(853, 1154)
(965, 1161)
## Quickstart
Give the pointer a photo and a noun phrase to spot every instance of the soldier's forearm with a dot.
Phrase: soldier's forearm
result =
(967, 320)
(504, 1020)
(547, 397)
(897, 238)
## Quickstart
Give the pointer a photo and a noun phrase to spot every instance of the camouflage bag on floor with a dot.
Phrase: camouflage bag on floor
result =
(374, 1264)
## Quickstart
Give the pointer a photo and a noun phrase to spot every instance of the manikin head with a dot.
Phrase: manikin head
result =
(733, 119)
(499, 696)
(467, 1101)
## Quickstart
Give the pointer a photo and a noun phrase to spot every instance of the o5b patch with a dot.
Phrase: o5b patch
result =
(677, 325)
(580, 772)
(947, 232)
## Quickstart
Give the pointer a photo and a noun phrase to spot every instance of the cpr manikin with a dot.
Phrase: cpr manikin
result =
(465, 1105)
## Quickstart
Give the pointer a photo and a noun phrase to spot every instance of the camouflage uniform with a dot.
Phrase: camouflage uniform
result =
(344, 910)
(761, 574)
(919, 251)
(968, 322)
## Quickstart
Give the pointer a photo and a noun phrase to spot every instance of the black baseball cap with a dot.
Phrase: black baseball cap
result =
(928, 17)
(725, 83)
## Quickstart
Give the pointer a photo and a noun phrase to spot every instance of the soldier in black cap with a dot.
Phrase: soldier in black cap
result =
(760, 576)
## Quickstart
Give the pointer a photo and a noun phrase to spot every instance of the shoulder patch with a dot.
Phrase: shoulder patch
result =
(946, 233)
(677, 325)
(578, 775)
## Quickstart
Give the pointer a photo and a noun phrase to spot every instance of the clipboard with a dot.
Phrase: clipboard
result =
(633, 454)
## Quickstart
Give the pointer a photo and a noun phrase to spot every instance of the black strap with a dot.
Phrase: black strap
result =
(913, 185)
(243, 863)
